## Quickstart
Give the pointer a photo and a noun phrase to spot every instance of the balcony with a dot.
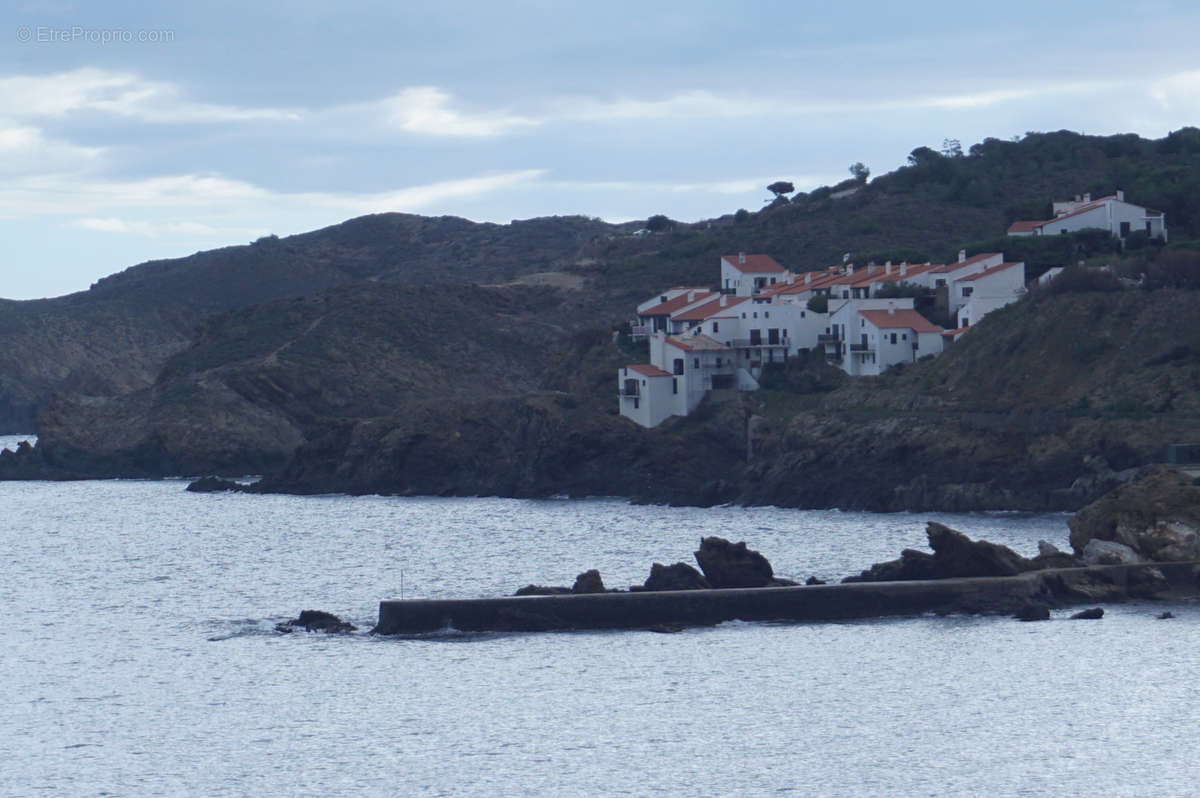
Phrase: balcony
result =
(745, 343)
(625, 393)
(637, 331)
(828, 339)
(860, 348)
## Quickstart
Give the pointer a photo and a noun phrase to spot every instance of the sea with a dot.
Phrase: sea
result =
(140, 658)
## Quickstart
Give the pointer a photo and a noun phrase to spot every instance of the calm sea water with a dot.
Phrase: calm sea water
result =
(139, 659)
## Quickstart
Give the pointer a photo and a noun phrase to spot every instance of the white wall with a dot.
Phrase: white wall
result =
(1097, 217)
(655, 401)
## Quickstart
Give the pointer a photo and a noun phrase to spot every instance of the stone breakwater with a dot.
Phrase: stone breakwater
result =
(672, 609)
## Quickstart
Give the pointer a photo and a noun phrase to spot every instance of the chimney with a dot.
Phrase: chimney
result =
(807, 278)
(1120, 195)
(904, 268)
(887, 267)
(741, 258)
(962, 255)
(724, 299)
(891, 308)
(691, 296)
(850, 269)
(1077, 198)
(1087, 197)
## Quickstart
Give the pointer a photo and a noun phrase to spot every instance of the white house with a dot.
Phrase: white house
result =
(654, 314)
(649, 395)
(982, 292)
(746, 275)
(867, 336)
(1111, 213)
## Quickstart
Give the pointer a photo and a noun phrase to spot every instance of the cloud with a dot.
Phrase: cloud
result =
(121, 94)
(222, 202)
(169, 229)
(1181, 90)
(427, 110)
(25, 150)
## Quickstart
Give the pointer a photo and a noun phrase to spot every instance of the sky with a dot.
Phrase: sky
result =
(132, 131)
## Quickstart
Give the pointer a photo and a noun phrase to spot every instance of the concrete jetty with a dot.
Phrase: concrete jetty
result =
(649, 609)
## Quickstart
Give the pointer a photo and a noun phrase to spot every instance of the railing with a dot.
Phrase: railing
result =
(741, 343)
(859, 347)
(627, 394)
(828, 339)
(639, 330)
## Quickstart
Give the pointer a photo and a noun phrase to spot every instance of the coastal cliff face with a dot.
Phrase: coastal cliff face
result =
(475, 391)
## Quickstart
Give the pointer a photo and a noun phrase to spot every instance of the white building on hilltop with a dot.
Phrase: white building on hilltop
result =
(1111, 213)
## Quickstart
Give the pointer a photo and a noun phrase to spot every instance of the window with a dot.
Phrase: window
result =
(862, 322)
(674, 385)
(716, 326)
(893, 338)
(718, 362)
(967, 289)
(1147, 228)
(678, 365)
(696, 363)
(1124, 229)
(940, 283)
(966, 322)
(845, 295)
(756, 314)
(766, 314)
(743, 314)
(635, 403)
(903, 336)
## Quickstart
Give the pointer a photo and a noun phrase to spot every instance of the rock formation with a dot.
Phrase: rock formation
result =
(954, 555)
(316, 621)
(728, 564)
(1157, 517)
(679, 576)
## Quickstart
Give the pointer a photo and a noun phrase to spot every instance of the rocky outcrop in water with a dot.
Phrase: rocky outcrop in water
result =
(678, 576)
(728, 564)
(1154, 518)
(317, 621)
(956, 555)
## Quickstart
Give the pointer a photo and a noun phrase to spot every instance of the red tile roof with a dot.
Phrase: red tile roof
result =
(702, 312)
(1024, 227)
(672, 305)
(754, 263)
(950, 267)
(956, 333)
(907, 319)
(991, 271)
(647, 370)
(910, 271)
(696, 343)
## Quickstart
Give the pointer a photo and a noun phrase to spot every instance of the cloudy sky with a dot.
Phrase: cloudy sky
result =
(131, 130)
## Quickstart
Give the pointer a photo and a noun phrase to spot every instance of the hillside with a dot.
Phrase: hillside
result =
(114, 338)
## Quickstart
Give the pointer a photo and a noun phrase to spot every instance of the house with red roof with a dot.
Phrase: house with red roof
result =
(1112, 213)
(982, 292)
(746, 275)
(869, 335)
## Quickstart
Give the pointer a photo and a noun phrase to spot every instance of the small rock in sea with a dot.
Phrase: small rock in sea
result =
(1164, 616)
(812, 580)
(215, 485)
(1091, 614)
(316, 621)
(588, 582)
(542, 590)
(1033, 612)
(679, 576)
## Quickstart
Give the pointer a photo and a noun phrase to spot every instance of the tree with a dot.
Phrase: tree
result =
(923, 156)
(781, 187)
(742, 215)
(952, 148)
(860, 172)
(659, 223)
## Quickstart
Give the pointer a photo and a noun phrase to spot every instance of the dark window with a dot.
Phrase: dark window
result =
(696, 362)
(904, 336)
(635, 403)
(1147, 228)
(677, 365)
(893, 338)
(773, 336)
(940, 283)
(766, 314)
(716, 326)
(674, 385)
(718, 362)
(756, 314)
(967, 289)
(1124, 229)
